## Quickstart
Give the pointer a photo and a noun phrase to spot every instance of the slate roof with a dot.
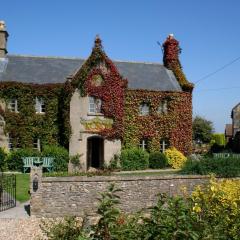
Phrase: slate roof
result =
(31, 69)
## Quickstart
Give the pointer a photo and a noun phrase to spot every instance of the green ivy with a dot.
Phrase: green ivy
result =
(26, 125)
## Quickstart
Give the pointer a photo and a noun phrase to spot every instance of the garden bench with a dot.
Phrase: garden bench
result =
(48, 163)
(45, 162)
(28, 162)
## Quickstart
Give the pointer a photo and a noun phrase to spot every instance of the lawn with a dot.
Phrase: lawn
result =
(22, 187)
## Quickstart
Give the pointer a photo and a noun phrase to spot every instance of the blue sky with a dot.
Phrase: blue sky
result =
(208, 31)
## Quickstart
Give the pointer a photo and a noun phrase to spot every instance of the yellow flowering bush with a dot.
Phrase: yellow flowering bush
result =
(219, 204)
(175, 158)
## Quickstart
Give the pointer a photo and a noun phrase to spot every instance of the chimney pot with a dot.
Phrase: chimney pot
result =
(2, 26)
(3, 39)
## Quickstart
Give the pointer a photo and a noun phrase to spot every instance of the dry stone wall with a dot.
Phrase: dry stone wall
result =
(77, 196)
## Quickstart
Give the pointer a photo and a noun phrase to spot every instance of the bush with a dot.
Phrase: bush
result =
(157, 160)
(114, 163)
(134, 159)
(218, 205)
(2, 160)
(175, 158)
(69, 228)
(60, 155)
(222, 167)
(14, 158)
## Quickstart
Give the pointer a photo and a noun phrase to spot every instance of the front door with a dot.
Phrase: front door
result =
(95, 152)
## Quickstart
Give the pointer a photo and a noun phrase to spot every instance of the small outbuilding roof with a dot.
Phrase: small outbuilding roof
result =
(41, 70)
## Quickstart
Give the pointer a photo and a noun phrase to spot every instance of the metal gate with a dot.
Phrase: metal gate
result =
(7, 191)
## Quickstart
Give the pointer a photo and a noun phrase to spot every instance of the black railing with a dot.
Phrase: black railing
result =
(7, 191)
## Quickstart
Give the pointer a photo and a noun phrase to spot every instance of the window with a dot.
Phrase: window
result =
(144, 109)
(143, 144)
(37, 144)
(95, 105)
(40, 105)
(13, 143)
(13, 105)
(163, 107)
(164, 144)
(10, 143)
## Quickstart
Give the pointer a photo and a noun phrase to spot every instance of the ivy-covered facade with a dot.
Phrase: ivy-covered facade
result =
(95, 107)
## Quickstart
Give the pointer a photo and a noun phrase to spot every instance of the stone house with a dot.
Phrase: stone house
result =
(235, 115)
(94, 106)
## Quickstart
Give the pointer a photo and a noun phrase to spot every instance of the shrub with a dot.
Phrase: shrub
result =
(60, 155)
(218, 205)
(134, 159)
(222, 167)
(14, 158)
(175, 158)
(69, 228)
(2, 160)
(218, 138)
(157, 160)
(114, 163)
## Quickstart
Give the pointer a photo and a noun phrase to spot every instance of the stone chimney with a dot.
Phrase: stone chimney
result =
(171, 61)
(3, 39)
(171, 51)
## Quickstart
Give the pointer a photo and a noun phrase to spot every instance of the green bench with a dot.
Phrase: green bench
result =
(45, 162)
(48, 163)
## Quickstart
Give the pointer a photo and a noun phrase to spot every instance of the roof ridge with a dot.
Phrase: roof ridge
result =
(78, 58)
(46, 57)
(125, 61)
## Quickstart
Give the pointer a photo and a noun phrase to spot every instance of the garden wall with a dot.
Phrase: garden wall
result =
(77, 196)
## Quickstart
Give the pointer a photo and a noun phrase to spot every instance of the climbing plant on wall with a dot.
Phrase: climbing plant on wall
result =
(175, 124)
(26, 125)
(99, 77)
(171, 61)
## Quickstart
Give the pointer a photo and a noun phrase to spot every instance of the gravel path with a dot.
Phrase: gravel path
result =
(15, 224)
(20, 229)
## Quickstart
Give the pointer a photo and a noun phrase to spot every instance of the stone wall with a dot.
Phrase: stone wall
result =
(61, 196)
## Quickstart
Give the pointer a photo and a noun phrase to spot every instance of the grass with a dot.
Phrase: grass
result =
(22, 187)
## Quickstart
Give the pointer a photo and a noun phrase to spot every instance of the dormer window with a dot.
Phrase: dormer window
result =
(95, 105)
(144, 109)
(163, 107)
(40, 105)
(13, 105)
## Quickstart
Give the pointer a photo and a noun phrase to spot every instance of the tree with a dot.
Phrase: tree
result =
(202, 130)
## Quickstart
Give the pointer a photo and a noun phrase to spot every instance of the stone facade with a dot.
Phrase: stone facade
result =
(79, 140)
(77, 196)
(236, 119)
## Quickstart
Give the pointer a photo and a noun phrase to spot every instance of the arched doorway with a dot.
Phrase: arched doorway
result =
(95, 152)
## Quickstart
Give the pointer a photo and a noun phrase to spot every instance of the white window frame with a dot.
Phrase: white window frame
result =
(144, 109)
(164, 145)
(37, 144)
(94, 105)
(13, 105)
(163, 107)
(10, 143)
(39, 105)
(143, 144)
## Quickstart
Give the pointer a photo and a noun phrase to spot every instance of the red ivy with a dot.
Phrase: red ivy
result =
(111, 92)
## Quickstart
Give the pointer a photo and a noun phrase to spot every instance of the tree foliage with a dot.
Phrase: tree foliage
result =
(202, 130)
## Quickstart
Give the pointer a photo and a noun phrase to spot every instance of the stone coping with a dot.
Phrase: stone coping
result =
(120, 178)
